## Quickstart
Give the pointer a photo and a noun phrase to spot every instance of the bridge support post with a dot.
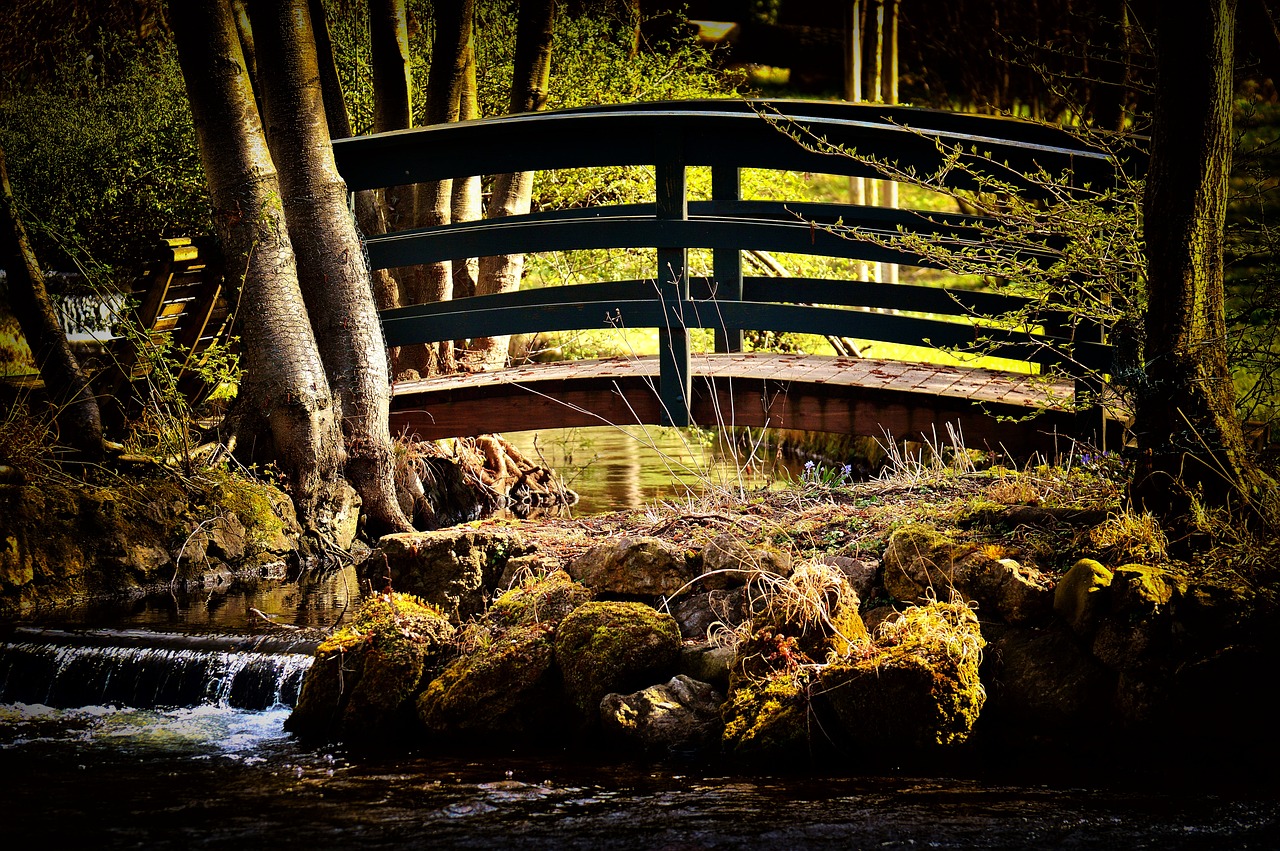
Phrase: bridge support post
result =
(726, 185)
(674, 379)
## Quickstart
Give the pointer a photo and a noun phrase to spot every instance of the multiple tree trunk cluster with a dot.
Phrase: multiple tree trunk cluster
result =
(265, 101)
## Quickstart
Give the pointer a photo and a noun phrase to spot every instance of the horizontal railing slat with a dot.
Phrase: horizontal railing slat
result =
(405, 329)
(766, 226)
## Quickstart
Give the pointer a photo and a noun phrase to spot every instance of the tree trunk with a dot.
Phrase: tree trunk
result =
(467, 203)
(512, 192)
(77, 415)
(434, 200)
(1187, 429)
(370, 215)
(330, 259)
(285, 386)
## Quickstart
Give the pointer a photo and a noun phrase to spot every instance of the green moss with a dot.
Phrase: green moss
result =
(258, 505)
(605, 647)
(366, 674)
(918, 688)
(503, 687)
(768, 717)
(545, 600)
(1080, 593)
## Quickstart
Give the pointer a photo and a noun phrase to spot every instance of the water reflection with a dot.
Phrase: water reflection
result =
(623, 468)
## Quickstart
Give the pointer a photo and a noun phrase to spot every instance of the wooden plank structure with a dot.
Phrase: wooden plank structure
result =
(863, 396)
(727, 136)
(181, 296)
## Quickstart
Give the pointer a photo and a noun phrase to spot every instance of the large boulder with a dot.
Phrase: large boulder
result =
(455, 569)
(502, 685)
(1042, 685)
(917, 689)
(1139, 627)
(727, 561)
(365, 676)
(922, 565)
(681, 714)
(605, 647)
(634, 567)
(1080, 597)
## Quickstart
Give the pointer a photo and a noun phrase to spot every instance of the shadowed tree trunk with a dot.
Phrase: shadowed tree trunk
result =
(330, 259)
(285, 388)
(1188, 432)
(434, 199)
(369, 213)
(512, 192)
(76, 410)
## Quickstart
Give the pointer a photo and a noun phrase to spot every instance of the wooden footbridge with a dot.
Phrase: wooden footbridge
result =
(726, 386)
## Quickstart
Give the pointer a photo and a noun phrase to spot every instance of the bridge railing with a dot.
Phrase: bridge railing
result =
(727, 136)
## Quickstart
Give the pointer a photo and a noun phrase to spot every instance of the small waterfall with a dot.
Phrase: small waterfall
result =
(147, 670)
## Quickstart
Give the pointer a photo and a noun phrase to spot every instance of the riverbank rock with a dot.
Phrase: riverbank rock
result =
(922, 564)
(60, 543)
(916, 689)
(681, 714)
(702, 612)
(1080, 597)
(634, 567)
(1044, 686)
(605, 647)
(455, 569)
(502, 685)
(727, 562)
(767, 718)
(365, 676)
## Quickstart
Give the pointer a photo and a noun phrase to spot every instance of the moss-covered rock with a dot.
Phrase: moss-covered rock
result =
(455, 569)
(922, 565)
(60, 542)
(502, 685)
(635, 567)
(605, 647)
(917, 689)
(1139, 628)
(1080, 596)
(538, 600)
(768, 718)
(365, 676)
(728, 561)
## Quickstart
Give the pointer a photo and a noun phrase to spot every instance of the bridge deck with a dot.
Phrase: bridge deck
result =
(807, 392)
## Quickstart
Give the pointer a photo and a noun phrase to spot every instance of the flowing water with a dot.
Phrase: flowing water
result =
(159, 724)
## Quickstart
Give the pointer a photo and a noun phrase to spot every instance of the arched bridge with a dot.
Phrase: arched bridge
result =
(726, 386)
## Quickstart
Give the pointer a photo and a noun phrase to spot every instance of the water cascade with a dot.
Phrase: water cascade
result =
(149, 670)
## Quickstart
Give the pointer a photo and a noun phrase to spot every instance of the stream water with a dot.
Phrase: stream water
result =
(159, 724)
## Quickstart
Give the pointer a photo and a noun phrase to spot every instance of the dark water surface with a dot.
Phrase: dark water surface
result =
(217, 778)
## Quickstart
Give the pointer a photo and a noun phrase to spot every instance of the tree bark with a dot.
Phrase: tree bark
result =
(467, 202)
(77, 415)
(434, 199)
(370, 215)
(330, 259)
(285, 387)
(512, 192)
(1189, 435)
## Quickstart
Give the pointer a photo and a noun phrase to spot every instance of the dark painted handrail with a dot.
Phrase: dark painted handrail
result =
(728, 135)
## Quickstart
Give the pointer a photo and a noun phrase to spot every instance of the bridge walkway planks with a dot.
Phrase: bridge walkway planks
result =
(808, 392)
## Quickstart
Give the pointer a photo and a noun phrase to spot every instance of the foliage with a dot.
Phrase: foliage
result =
(104, 156)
